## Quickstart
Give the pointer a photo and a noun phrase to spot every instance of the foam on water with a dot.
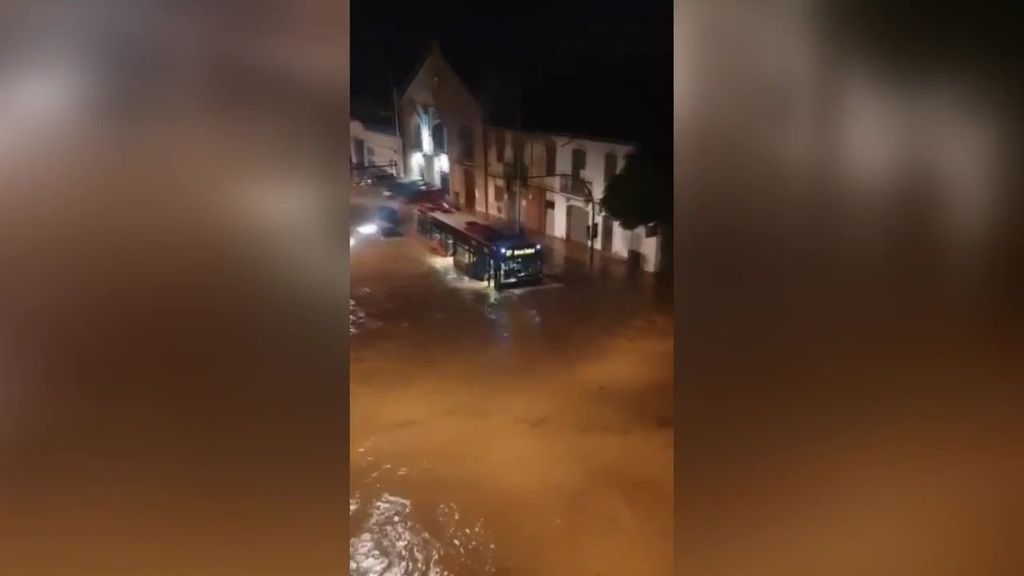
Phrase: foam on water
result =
(391, 539)
(391, 544)
(357, 319)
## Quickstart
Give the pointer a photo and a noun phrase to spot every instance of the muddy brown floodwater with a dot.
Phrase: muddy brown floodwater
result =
(522, 433)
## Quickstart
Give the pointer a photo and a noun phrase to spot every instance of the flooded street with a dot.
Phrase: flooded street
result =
(522, 433)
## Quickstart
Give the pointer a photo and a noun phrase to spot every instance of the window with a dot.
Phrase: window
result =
(611, 166)
(499, 193)
(466, 139)
(549, 156)
(440, 137)
(464, 254)
(519, 158)
(369, 151)
(417, 135)
(499, 146)
(359, 151)
(579, 161)
(650, 231)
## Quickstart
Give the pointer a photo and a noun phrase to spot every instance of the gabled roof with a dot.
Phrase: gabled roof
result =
(528, 107)
(414, 73)
(496, 93)
(435, 52)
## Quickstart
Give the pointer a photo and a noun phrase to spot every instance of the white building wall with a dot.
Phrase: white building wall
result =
(386, 147)
(623, 241)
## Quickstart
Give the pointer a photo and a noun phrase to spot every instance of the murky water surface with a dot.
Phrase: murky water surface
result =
(523, 433)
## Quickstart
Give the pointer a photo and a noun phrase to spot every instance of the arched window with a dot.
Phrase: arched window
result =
(467, 151)
(550, 151)
(440, 138)
(416, 133)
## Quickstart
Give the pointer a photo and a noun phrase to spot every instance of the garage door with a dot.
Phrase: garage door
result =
(576, 222)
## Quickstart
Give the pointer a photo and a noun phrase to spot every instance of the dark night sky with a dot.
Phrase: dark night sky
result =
(596, 67)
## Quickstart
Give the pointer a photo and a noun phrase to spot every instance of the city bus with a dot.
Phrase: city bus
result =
(485, 252)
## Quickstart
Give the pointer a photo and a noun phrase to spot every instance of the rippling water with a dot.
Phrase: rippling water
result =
(521, 432)
(393, 537)
(357, 319)
(392, 543)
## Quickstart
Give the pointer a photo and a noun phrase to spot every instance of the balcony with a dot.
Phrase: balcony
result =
(562, 184)
(570, 186)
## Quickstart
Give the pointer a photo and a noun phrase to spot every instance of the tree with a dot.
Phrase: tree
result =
(641, 193)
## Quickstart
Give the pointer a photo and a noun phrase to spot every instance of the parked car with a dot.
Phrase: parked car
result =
(404, 188)
(428, 195)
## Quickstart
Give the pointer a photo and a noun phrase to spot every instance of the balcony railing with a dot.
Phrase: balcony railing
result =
(572, 186)
(562, 184)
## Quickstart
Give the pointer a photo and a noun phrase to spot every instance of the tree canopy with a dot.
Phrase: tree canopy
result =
(641, 193)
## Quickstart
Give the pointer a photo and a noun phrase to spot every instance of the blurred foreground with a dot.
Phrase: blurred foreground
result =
(173, 329)
(850, 324)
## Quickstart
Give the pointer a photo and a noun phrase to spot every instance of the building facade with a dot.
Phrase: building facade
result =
(443, 133)
(375, 147)
(551, 184)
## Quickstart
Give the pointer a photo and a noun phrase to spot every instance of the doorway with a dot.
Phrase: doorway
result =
(533, 210)
(360, 152)
(576, 223)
